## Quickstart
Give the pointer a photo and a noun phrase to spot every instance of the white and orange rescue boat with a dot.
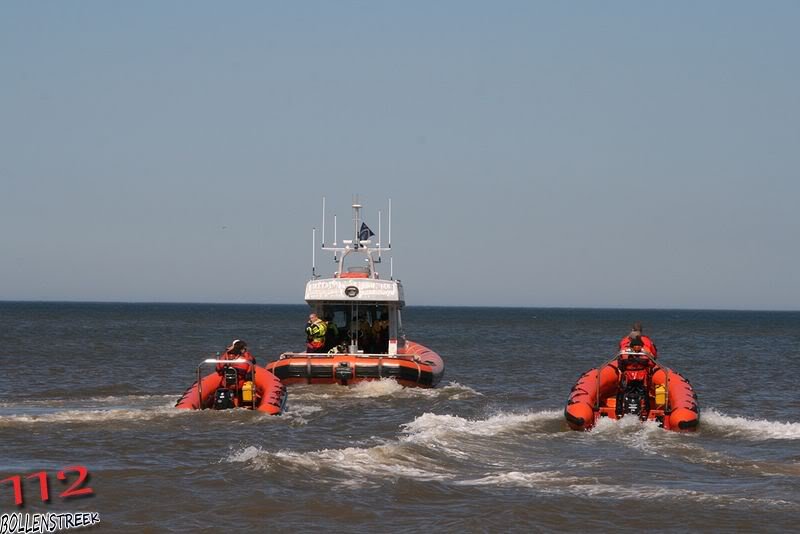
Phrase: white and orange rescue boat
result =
(365, 340)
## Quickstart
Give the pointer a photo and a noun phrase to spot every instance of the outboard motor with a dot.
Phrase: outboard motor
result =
(633, 400)
(343, 372)
(632, 397)
(223, 399)
(230, 376)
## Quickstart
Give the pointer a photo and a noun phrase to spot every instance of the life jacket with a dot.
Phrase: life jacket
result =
(649, 346)
(315, 334)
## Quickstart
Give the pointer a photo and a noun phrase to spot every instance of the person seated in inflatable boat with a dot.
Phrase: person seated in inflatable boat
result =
(236, 388)
(635, 365)
(237, 351)
(636, 332)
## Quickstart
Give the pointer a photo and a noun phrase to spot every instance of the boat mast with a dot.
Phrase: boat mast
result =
(348, 246)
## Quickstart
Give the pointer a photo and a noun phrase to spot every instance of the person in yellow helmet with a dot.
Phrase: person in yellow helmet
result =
(315, 334)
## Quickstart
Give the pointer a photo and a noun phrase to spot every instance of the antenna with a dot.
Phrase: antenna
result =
(391, 268)
(390, 223)
(334, 229)
(356, 219)
(313, 253)
(380, 243)
(323, 222)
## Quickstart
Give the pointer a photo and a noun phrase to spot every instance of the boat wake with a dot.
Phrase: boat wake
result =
(441, 429)
(385, 387)
(432, 447)
(557, 483)
(93, 410)
(47, 415)
(514, 450)
(750, 429)
(712, 422)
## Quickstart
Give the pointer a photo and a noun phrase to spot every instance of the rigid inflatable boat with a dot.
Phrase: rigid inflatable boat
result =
(364, 339)
(633, 385)
(227, 387)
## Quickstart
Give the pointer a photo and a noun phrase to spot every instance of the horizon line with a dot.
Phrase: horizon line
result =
(495, 306)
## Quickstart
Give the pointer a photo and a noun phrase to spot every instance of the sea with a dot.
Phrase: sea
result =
(87, 394)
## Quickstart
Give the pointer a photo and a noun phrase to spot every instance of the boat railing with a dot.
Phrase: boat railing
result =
(655, 366)
(313, 355)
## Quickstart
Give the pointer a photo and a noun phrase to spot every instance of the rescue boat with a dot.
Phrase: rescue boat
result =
(227, 387)
(365, 339)
(633, 385)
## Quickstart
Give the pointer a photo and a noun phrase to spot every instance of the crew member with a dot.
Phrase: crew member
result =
(331, 333)
(237, 351)
(315, 334)
(636, 332)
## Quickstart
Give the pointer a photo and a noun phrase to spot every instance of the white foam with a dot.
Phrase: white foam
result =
(400, 458)
(356, 465)
(385, 387)
(430, 427)
(376, 388)
(555, 482)
(754, 429)
(126, 398)
(296, 414)
(654, 493)
(518, 479)
(92, 416)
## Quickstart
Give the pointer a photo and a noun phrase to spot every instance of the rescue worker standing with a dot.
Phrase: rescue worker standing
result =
(331, 333)
(315, 334)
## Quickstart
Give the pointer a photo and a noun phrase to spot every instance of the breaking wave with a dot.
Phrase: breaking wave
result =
(386, 387)
(429, 448)
(751, 429)
(91, 416)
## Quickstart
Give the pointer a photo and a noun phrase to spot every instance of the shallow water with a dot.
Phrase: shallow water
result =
(488, 449)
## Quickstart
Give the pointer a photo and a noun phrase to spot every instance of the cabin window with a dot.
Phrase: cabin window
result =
(359, 324)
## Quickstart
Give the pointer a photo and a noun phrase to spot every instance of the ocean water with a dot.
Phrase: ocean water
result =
(487, 450)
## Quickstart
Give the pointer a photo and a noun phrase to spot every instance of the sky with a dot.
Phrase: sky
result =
(538, 154)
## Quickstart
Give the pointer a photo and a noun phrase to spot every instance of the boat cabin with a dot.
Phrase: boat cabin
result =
(364, 311)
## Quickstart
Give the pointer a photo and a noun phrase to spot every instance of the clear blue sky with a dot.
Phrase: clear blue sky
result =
(634, 154)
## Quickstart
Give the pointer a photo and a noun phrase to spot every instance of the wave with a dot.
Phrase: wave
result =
(296, 415)
(385, 387)
(91, 416)
(351, 465)
(556, 483)
(751, 429)
(85, 391)
(711, 421)
(35, 413)
(430, 427)
(430, 448)
(485, 452)
(86, 402)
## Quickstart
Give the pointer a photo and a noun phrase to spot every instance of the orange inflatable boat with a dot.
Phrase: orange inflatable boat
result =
(226, 388)
(413, 366)
(633, 385)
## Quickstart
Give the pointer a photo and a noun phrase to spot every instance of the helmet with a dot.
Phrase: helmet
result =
(237, 346)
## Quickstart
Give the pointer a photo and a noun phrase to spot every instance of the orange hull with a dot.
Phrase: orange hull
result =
(413, 366)
(270, 393)
(595, 396)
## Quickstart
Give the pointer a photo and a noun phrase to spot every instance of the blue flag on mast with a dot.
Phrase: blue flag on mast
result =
(365, 233)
